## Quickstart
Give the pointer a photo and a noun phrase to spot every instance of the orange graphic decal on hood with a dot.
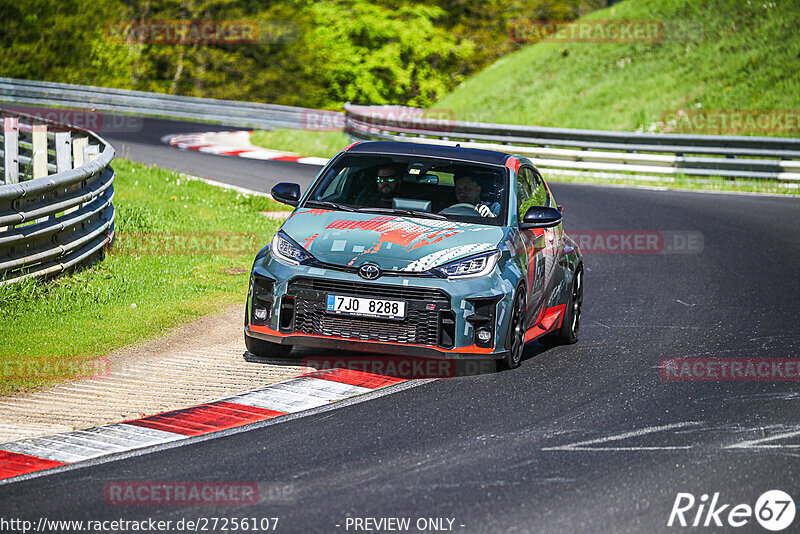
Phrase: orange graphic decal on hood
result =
(405, 233)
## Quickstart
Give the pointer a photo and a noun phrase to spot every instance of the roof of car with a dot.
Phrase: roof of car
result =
(436, 151)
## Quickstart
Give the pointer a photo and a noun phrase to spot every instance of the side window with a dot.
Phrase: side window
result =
(334, 189)
(523, 191)
(329, 189)
(539, 190)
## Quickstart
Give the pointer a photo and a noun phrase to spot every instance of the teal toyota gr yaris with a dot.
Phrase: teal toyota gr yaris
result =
(416, 249)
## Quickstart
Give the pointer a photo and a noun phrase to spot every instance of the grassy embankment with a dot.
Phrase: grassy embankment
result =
(721, 55)
(184, 249)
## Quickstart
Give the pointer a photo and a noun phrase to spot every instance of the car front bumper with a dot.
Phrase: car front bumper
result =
(442, 318)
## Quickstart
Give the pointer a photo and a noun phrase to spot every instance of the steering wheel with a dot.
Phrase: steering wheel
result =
(459, 209)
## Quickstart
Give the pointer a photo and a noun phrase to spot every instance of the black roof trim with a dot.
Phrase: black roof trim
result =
(436, 151)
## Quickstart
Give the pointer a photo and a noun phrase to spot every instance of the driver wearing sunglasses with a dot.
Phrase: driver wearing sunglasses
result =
(387, 187)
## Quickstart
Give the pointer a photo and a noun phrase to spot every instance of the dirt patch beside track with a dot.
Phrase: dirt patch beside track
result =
(195, 363)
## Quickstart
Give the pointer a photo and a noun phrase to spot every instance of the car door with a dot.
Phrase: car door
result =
(540, 196)
(533, 240)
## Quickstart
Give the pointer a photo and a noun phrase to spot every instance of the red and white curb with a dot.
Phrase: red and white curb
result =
(312, 390)
(235, 144)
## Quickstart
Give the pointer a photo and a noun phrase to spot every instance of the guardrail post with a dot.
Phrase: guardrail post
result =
(90, 152)
(63, 153)
(11, 148)
(77, 151)
(63, 145)
(39, 156)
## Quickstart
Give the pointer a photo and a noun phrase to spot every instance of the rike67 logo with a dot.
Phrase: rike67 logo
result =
(774, 510)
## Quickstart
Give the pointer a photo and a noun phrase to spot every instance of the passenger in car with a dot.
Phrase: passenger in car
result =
(468, 190)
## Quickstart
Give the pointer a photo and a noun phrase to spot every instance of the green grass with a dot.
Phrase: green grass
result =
(53, 330)
(718, 55)
(322, 144)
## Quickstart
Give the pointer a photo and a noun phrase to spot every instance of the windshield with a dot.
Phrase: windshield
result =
(424, 187)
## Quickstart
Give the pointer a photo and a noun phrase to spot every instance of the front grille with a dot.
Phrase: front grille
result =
(359, 289)
(421, 325)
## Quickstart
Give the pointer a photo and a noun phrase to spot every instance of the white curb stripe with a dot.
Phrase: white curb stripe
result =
(261, 154)
(311, 160)
(87, 444)
(216, 149)
(55, 449)
(131, 435)
(298, 394)
(219, 142)
(41, 449)
(281, 401)
(324, 389)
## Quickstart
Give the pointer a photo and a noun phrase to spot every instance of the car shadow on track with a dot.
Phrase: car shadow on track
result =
(534, 349)
(403, 367)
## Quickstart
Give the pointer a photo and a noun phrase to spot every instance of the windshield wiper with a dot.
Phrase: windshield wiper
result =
(334, 205)
(406, 212)
(329, 204)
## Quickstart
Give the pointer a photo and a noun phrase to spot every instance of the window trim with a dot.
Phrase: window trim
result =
(505, 207)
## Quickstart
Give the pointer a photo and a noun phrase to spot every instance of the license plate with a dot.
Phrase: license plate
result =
(387, 309)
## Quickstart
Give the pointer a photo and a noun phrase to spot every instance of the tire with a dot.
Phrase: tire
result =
(265, 349)
(568, 333)
(516, 333)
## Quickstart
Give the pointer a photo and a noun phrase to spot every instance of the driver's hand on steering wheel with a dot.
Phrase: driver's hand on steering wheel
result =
(484, 210)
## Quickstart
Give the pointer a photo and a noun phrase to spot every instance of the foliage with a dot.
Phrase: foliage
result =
(400, 52)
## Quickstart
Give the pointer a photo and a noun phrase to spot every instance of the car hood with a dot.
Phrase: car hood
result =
(395, 243)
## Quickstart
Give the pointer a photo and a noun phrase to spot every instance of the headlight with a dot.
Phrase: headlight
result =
(287, 251)
(471, 267)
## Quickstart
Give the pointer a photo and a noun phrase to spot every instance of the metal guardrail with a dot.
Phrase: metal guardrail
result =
(560, 149)
(229, 112)
(52, 222)
(589, 150)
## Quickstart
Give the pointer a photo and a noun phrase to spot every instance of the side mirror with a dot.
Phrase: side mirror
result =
(541, 217)
(286, 192)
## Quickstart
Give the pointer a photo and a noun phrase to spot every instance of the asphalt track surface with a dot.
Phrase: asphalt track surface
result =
(142, 143)
(585, 437)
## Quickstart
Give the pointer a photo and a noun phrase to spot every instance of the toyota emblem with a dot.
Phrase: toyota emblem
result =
(369, 271)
